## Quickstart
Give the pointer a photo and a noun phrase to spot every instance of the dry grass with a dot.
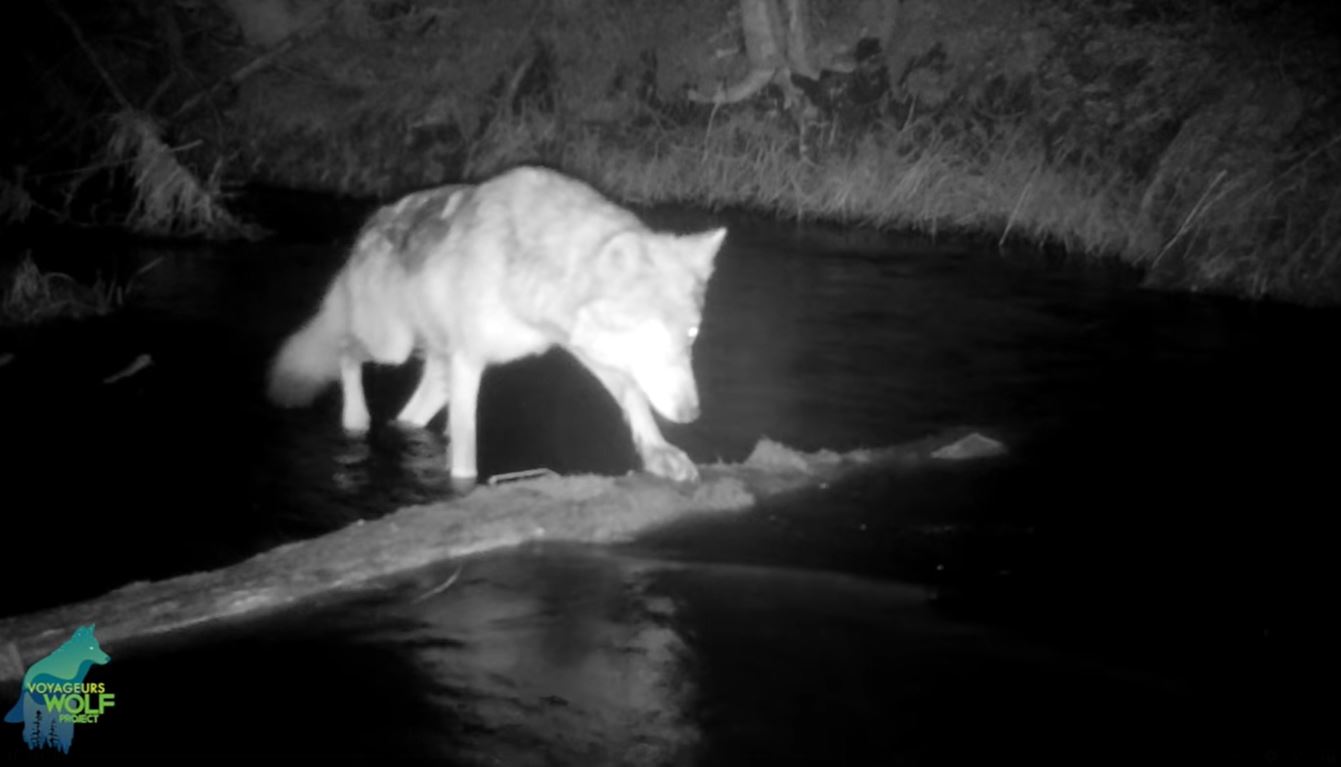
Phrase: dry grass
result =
(16, 204)
(1135, 136)
(1260, 233)
(33, 296)
(899, 177)
(170, 200)
(1251, 233)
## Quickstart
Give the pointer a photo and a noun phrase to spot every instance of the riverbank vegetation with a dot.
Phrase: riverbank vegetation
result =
(1200, 143)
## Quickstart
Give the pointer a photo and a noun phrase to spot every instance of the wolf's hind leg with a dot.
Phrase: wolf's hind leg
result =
(354, 413)
(431, 394)
(659, 456)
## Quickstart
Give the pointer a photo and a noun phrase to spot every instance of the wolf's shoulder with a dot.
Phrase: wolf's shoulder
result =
(535, 174)
(538, 185)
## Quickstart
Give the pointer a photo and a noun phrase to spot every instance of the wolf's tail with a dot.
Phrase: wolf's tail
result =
(310, 359)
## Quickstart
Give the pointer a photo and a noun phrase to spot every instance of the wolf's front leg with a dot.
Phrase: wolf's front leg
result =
(659, 456)
(431, 395)
(354, 413)
(464, 377)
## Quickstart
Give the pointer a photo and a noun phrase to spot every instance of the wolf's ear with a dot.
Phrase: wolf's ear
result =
(621, 255)
(621, 259)
(702, 248)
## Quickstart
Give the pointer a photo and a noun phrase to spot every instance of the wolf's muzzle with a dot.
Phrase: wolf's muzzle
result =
(686, 412)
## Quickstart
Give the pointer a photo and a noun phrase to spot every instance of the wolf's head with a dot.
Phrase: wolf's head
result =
(644, 311)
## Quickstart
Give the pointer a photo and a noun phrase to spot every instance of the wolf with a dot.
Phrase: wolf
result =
(471, 276)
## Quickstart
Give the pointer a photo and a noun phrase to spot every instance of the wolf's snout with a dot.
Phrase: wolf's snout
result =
(686, 410)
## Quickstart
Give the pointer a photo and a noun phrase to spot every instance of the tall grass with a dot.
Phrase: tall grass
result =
(33, 296)
(908, 176)
(1195, 140)
(169, 199)
(1261, 232)
(16, 203)
(1176, 142)
(1254, 232)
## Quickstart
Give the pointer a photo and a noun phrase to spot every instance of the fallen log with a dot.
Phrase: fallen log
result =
(589, 509)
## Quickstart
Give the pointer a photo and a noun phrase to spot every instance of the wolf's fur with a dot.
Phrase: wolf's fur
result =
(482, 275)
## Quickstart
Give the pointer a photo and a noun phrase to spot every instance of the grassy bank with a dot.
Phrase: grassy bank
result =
(33, 296)
(1184, 143)
(1200, 143)
(891, 178)
(1255, 233)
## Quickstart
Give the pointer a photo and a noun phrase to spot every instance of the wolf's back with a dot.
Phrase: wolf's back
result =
(310, 359)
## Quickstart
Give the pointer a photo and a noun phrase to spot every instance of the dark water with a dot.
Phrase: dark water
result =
(1148, 566)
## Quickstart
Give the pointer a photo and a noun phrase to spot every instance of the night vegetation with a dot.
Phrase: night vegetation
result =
(1198, 141)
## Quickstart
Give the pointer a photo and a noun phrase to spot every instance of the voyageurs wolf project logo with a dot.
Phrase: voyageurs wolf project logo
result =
(55, 696)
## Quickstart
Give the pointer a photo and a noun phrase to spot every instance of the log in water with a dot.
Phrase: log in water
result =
(586, 509)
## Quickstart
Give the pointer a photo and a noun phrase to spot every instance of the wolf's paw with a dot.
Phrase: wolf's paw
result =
(355, 425)
(670, 462)
(417, 413)
(414, 421)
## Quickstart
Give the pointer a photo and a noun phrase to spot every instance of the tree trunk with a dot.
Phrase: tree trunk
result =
(763, 33)
(774, 49)
(798, 39)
